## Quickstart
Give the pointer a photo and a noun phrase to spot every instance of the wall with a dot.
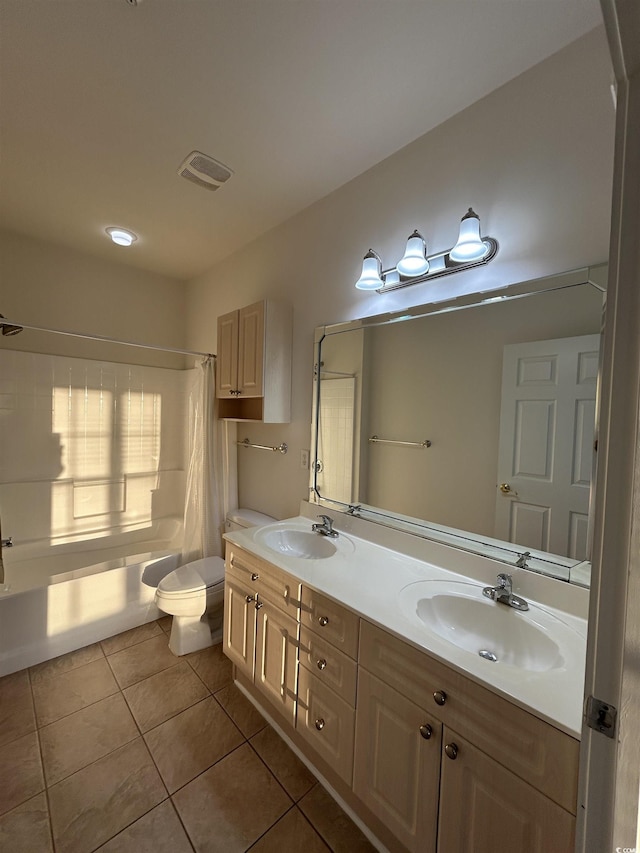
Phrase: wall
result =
(47, 285)
(534, 159)
(88, 448)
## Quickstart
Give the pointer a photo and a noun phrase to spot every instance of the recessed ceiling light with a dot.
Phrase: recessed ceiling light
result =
(121, 236)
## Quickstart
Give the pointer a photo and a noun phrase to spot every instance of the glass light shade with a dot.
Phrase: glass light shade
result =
(371, 272)
(469, 246)
(121, 236)
(414, 261)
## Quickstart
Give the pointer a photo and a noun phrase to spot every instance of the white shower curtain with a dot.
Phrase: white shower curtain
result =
(203, 517)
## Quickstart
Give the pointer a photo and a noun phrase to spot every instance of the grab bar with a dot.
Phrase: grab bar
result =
(246, 443)
(375, 440)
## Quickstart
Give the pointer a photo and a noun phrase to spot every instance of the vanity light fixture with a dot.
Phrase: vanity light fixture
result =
(416, 266)
(121, 236)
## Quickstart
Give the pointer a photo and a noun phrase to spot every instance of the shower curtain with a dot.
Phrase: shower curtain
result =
(203, 516)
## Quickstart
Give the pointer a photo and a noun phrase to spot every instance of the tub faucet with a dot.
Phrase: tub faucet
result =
(521, 562)
(326, 528)
(502, 593)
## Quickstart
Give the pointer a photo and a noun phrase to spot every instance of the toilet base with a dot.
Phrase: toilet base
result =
(189, 634)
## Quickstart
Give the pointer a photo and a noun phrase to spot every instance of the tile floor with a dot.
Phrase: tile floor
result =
(123, 748)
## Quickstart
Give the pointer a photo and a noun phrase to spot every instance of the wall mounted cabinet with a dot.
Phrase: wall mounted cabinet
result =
(253, 370)
(431, 760)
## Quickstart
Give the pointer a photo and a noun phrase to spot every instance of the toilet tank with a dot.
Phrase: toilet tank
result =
(237, 519)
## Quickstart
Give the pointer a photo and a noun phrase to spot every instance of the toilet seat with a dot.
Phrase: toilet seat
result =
(192, 578)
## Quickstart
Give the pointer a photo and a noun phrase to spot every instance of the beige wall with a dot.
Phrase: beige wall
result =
(53, 286)
(533, 158)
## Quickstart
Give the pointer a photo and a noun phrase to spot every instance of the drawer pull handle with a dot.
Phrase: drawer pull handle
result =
(250, 598)
(451, 751)
(259, 604)
(321, 664)
(285, 593)
(320, 724)
(426, 731)
(254, 576)
(323, 620)
(439, 697)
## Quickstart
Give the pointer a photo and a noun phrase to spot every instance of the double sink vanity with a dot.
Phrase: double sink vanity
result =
(442, 718)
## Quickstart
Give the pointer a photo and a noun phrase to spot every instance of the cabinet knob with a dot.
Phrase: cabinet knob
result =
(250, 598)
(321, 664)
(323, 620)
(439, 697)
(320, 724)
(451, 751)
(255, 576)
(426, 731)
(259, 604)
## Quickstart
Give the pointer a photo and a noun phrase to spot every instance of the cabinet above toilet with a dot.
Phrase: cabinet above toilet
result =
(253, 375)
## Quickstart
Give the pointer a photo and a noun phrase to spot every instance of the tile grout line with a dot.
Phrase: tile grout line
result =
(44, 778)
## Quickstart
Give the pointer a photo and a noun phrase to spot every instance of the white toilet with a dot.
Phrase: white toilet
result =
(194, 590)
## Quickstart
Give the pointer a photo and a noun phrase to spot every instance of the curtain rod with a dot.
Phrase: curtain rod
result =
(105, 339)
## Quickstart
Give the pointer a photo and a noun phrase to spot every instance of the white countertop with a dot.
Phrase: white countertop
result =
(369, 577)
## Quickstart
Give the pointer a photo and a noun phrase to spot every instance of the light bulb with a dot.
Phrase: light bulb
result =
(470, 246)
(414, 261)
(371, 272)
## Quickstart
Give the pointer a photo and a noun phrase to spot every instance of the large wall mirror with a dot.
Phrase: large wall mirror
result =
(470, 422)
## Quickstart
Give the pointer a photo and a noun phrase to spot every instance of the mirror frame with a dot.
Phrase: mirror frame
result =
(561, 568)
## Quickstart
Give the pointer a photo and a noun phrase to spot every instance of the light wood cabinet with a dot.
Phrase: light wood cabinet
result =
(434, 761)
(253, 369)
(261, 628)
(501, 812)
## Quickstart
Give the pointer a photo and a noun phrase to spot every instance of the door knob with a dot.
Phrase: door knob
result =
(505, 488)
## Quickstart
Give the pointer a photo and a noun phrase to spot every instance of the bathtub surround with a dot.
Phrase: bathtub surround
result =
(118, 746)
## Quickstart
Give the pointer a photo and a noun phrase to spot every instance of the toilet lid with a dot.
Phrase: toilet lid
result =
(193, 577)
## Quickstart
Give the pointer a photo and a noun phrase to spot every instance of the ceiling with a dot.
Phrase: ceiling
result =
(101, 100)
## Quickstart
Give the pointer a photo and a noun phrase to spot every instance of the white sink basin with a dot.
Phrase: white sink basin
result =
(502, 636)
(294, 542)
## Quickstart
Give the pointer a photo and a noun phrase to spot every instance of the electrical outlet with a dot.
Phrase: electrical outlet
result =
(304, 459)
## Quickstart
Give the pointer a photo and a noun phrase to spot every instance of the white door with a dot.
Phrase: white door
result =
(545, 454)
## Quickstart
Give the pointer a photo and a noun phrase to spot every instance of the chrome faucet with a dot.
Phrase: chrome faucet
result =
(521, 562)
(326, 528)
(6, 543)
(502, 593)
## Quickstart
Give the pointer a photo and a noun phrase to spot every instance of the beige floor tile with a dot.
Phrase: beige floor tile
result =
(16, 707)
(159, 831)
(81, 738)
(26, 829)
(230, 806)
(247, 718)
(336, 828)
(283, 763)
(142, 660)
(130, 638)
(20, 772)
(291, 834)
(213, 667)
(65, 663)
(94, 804)
(165, 623)
(162, 696)
(189, 743)
(56, 697)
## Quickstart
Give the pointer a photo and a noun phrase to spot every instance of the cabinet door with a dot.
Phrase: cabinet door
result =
(277, 657)
(251, 350)
(239, 624)
(484, 808)
(227, 361)
(397, 763)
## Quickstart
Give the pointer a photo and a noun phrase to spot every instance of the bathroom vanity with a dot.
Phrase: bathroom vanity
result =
(363, 650)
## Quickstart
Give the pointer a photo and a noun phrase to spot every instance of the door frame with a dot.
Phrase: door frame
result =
(608, 809)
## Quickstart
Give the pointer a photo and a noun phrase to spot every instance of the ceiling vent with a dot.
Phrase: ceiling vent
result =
(204, 171)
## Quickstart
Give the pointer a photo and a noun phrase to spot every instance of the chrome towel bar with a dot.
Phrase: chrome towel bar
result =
(375, 440)
(246, 443)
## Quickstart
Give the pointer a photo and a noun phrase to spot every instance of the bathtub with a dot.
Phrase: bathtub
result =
(66, 598)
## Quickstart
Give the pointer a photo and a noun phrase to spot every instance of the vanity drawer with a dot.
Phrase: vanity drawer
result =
(334, 623)
(269, 582)
(329, 665)
(534, 750)
(327, 723)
